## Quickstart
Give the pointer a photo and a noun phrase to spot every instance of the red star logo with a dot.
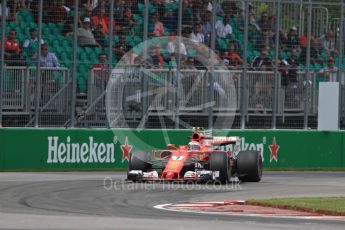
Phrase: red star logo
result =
(274, 150)
(126, 149)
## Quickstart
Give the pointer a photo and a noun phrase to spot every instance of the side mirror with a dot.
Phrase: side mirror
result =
(171, 146)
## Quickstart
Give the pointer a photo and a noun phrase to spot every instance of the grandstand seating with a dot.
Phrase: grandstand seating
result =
(62, 46)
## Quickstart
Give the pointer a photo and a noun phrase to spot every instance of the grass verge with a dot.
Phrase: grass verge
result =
(322, 205)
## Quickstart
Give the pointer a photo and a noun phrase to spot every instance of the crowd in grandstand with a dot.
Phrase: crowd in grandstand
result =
(94, 27)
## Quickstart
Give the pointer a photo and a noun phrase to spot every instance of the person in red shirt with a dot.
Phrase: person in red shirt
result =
(234, 58)
(101, 19)
(101, 69)
(12, 50)
(102, 62)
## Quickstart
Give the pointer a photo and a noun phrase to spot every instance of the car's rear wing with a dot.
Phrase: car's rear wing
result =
(221, 141)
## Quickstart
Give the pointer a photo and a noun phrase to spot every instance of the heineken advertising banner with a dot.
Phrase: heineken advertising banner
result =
(101, 149)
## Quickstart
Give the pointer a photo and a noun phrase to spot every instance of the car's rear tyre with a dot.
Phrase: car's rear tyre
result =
(249, 166)
(218, 161)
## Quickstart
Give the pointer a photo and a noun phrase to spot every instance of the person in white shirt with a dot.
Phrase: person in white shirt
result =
(330, 72)
(172, 46)
(197, 36)
(223, 28)
(31, 43)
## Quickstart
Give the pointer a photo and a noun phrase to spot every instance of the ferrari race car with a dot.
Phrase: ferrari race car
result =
(202, 160)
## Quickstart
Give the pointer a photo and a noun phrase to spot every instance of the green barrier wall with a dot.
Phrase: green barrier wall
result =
(83, 149)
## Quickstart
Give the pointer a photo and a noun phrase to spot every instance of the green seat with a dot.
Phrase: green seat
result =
(29, 18)
(89, 50)
(139, 20)
(46, 31)
(80, 50)
(65, 43)
(222, 43)
(13, 25)
(82, 58)
(51, 25)
(106, 50)
(68, 50)
(56, 43)
(116, 39)
(93, 58)
(32, 25)
(98, 50)
(82, 84)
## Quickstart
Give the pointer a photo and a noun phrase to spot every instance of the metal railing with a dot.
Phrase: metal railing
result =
(19, 93)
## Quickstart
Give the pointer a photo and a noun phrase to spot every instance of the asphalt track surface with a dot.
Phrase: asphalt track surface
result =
(104, 200)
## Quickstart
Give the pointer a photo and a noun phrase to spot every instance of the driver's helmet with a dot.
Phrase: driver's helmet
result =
(194, 145)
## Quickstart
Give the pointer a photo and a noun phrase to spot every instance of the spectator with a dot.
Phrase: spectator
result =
(121, 47)
(207, 27)
(225, 58)
(187, 13)
(329, 73)
(102, 61)
(47, 58)
(223, 29)
(292, 39)
(197, 36)
(159, 6)
(101, 19)
(264, 23)
(126, 26)
(118, 10)
(55, 12)
(282, 40)
(156, 57)
(101, 70)
(314, 53)
(128, 9)
(99, 36)
(31, 44)
(230, 8)
(190, 63)
(262, 62)
(170, 20)
(12, 5)
(85, 36)
(234, 58)
(158, 29)
(326, 43)
(12, 51)
(89, 4)
(68, 26)
(263, 40)
(173, 48)
(289, 75)
(88, 13)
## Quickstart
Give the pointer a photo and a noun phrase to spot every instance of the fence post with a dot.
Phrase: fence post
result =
(38, 66)
(340, 59)
(275, 81)
(145, 108)
(211, 75)
(2, 52)
(307, 75)
(111, 36)
(178, 71)
(244, 75)
(74, 64)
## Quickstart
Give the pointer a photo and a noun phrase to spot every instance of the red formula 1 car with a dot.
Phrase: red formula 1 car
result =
(201, 160)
